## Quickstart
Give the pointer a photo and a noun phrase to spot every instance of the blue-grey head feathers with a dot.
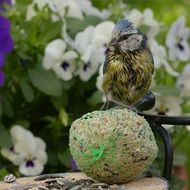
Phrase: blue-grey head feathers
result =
(127, 36)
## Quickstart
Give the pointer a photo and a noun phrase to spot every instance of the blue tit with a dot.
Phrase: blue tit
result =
(129, 65)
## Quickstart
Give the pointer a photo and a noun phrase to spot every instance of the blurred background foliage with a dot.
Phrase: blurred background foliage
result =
(39, 101)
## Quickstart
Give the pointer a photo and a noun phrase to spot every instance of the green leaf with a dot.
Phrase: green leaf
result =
(8, 107)
(27, 91)
(166, 90)
(45, 81)
(61, 101)
(23, 122)
(5, 138)
(179, 159)
(64, 117)
(92, 20)
(75, 25)
(65, 157)
(24, 2)
(96, 98)
(101, 4)
(51, 31)
(3, 173)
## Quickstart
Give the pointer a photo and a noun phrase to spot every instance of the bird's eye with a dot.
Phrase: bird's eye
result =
(125, 36)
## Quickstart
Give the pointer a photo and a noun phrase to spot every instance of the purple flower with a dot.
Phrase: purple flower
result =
(6, 44)
(73, 164)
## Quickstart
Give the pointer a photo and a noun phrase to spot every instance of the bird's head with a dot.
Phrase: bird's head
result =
(125, 37)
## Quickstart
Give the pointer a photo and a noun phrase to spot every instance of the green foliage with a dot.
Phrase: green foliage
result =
(27, 91)
(77, 25)
(5, 140)
(43, 103)
(45, 81)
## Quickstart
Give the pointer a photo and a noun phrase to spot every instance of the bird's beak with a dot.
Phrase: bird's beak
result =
(113, 42)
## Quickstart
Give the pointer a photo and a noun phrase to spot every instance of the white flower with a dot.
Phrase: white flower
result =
(91, 45)
(62, 8)
(32, 150)
(61, 62)
(28, 151)
(183, 82)
(67, 8)
(160, 58)
(136, 17)
(146, 18)
(11, 155)
(167, 105)
(88, 9)
(176, 40)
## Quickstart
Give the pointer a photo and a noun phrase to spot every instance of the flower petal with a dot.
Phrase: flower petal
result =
(183, 52)
(53, 53)
(36, 169)
(41, 156)
(83, 39)
(12, 156)
(64, 74)
(136, 17)
(18, 133)
(69, 55)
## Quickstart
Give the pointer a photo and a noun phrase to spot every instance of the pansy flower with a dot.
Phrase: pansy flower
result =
(167, 105)
(6, 44)
(160, 58)
(177, 40)
(183, 82)
(145, 18)
(91, 45)
(28, 152)
(62, 62)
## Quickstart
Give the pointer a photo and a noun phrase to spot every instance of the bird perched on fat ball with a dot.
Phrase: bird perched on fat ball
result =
(129, 65)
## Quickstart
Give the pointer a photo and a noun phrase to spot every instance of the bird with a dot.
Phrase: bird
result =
(128, 66)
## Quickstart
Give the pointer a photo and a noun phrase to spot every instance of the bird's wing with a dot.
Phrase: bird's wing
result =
(105, 66)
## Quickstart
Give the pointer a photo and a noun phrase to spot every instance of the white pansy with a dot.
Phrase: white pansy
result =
(183, 82)
(91, 45)
(160, 58)
(151, 22)
(145, 18)
(177, 40)
(88, 9)
(167, 105)
(67, 8)
(135, 16)
(28, 152)
(60, 61)
(11, 155)
(102, 33)
(61, 8)
(32, 150)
